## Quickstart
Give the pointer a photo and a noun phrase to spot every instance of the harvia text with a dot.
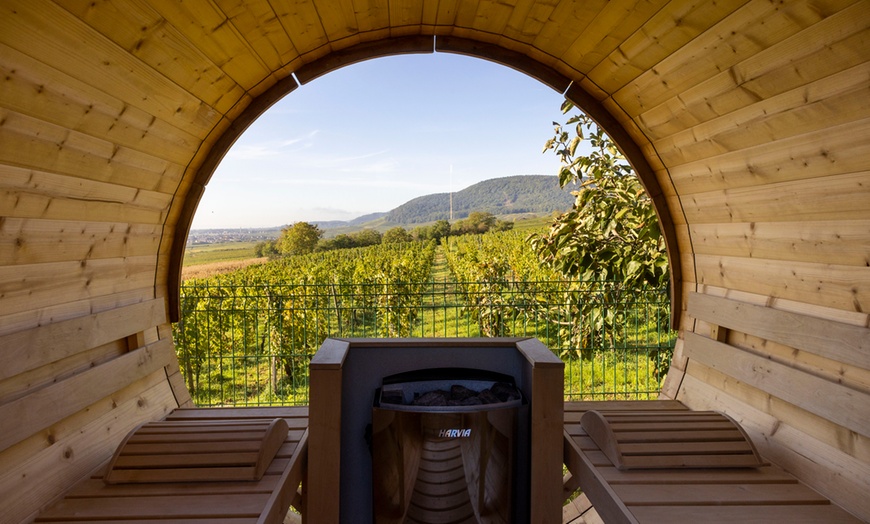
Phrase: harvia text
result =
(454, 433)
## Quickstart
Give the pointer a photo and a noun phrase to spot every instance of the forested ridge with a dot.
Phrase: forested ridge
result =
(499, 196)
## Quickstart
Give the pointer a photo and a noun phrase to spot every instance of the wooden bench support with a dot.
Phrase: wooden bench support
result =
(263, 501)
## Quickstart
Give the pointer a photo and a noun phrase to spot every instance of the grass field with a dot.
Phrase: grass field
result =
(224, 252)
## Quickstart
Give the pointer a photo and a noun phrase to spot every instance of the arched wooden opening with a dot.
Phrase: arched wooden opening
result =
(752, 116)
(418, 45)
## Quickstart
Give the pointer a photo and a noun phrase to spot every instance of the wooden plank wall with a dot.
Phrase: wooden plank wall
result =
(804, 401)
(751, 114)
(71, 390)
(94, 142)
(765, 145)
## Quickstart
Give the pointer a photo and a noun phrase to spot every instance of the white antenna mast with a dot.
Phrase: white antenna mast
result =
(451, 192)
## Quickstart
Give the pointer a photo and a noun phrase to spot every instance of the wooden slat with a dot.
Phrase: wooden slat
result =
(257, 24)
(29, 287)
(209, 520)
(30, 349)
(215, 38)
(166, 507)
(291, 477)
(666, 31)
(22, 384)
(166, 462)
(838, 43)
(762, 475)
(718, 495)
(842, 242)
(841, 197)
(785, 382)
(841, 342)
(805, 156)
(750, 30)
(145, 34)
(51, 404)
(95, 487)
(32, 144)
(574, 410)
(38, 241)
(37, 90)
(830, 102)
(338, 18)
(577, 22)
(301, 24)
(602, 495)
(613, 23)
(238, 414)
(837, 287)
(826, 435)
(609, 429)
(793, 514)
(75, 446)
(121, 75)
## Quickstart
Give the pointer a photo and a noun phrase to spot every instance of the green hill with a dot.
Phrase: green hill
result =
(499, 196)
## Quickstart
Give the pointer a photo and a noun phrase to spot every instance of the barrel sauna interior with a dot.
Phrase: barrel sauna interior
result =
(748, 121)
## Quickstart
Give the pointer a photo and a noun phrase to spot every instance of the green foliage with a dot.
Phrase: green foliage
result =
(299, 238)
(583, 318)
(274, 313)
(611, 236)
(485, 266)
(248, 336)
(366, 237)
(437, 231)
(397, 234)
(267, 248)
(479, 222)
(612, 232)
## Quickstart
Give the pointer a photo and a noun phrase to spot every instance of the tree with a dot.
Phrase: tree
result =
(478, 222)
(267, 248)
(440, 229)
(366, 237)
(610, 237)
(396, 234)
(612, 232)
(341, 241)
(299, 238)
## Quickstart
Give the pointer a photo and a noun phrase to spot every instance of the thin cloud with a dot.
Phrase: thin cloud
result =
(358, 182)
(269, 148)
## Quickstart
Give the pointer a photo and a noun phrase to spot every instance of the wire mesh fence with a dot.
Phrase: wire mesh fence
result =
(251, 345)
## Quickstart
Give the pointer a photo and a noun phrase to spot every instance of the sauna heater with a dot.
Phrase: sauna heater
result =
(444, 447)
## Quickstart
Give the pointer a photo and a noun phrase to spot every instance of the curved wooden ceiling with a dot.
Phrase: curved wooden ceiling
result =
(748, 120)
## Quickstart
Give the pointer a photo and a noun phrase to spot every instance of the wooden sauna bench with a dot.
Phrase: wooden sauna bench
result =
(699, 495)
(262, 501)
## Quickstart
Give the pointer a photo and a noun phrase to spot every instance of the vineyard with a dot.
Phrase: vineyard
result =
(247, 337)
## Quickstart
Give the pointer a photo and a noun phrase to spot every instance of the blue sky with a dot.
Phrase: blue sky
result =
(374, 135)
